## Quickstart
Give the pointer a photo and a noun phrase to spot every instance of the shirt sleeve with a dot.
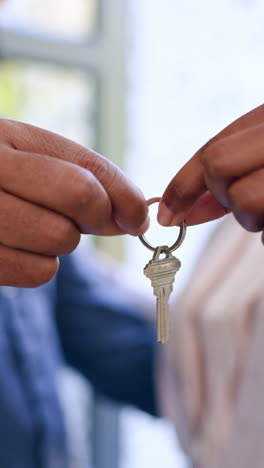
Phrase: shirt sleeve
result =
(104, 334)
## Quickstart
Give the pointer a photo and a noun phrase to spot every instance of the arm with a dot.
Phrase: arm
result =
(103, 334)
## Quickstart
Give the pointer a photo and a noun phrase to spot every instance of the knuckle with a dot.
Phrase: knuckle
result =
(103, 169)
(100, 166)
(176, 190)
(3, 126)
(111, 175)
(11, 129)
(6, 124)
(7, 128)
(213, 157)
(81, 156)
(180, 191)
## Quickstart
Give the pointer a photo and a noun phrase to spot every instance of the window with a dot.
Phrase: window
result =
(58, 98)
(65, 18)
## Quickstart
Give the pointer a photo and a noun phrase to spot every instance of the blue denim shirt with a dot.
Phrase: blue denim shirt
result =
(82, 319)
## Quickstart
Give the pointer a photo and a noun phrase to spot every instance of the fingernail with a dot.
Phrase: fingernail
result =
(165, 215)
(144, 227)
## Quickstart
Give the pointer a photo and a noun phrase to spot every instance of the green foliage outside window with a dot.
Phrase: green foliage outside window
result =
(11, 93)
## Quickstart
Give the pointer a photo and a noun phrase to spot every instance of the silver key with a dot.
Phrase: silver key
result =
(161, 272)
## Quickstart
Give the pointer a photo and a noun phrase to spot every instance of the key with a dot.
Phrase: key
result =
(161, 272)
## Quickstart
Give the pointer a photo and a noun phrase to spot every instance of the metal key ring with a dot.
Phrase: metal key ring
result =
(178, 241)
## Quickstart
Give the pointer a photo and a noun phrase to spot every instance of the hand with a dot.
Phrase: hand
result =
(51, 190)
(226, 175)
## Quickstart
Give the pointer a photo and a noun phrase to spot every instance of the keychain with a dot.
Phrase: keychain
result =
(161, 272)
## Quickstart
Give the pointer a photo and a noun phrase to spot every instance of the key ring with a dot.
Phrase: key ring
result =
(178, 241)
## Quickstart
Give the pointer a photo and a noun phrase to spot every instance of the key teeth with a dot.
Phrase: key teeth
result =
(162, 317)
(158, 319)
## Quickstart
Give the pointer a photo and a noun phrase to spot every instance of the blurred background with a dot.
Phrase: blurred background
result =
(145, 83)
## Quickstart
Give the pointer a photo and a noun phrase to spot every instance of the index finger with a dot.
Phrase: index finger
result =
(189, 184)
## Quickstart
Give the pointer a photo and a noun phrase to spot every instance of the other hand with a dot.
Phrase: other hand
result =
(226, 175)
